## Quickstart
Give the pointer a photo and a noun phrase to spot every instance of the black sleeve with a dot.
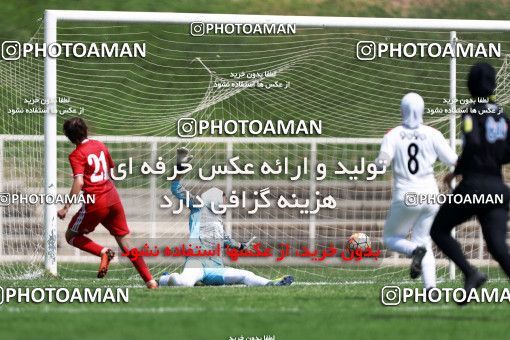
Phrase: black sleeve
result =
(471, 140)
(471, 131)
(459, 168)
(506, 158)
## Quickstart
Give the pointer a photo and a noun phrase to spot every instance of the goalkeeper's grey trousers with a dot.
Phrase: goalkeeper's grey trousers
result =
(191, 275)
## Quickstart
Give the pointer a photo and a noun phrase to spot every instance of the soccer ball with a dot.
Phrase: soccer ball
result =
(357, 241)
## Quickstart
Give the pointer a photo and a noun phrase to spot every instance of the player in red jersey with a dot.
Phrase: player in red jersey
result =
(91, 163)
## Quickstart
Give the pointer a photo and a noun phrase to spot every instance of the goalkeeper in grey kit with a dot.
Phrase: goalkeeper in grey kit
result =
(206, 231)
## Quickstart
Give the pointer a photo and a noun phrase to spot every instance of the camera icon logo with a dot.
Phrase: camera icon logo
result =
(187, 127)
(366, 50)
(5, 199)
(391, 295)
(11, 50)
(411, 199)
(197, 29)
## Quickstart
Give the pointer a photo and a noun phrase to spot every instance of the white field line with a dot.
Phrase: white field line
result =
(314, 283)
(147, 310)
(325, 283)
(100, 308)
(297, 283)
(423, 307)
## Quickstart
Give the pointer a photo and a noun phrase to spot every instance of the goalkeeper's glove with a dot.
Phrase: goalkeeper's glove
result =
(183, 156)
(382, 160)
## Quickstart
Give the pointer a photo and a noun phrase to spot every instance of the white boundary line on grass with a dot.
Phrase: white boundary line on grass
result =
(147, 310)
(168, 310)
(298, 283)
(423, 307)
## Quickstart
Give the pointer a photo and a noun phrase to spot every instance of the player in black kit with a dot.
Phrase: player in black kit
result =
(486, 147)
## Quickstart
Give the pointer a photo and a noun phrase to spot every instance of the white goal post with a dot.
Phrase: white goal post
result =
(53, 17)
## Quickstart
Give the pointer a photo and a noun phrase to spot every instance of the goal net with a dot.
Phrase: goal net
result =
(134, 105)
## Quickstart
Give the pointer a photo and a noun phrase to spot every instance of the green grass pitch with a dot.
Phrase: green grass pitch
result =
(310, 309)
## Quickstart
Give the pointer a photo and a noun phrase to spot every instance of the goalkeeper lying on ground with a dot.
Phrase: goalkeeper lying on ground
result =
(206, 231)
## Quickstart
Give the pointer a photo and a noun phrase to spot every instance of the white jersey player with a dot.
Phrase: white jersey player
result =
(412, 149)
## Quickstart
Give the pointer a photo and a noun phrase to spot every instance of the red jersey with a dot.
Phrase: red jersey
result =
(92, 160)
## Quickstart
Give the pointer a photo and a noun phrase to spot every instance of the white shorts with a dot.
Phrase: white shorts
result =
(417, 220)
